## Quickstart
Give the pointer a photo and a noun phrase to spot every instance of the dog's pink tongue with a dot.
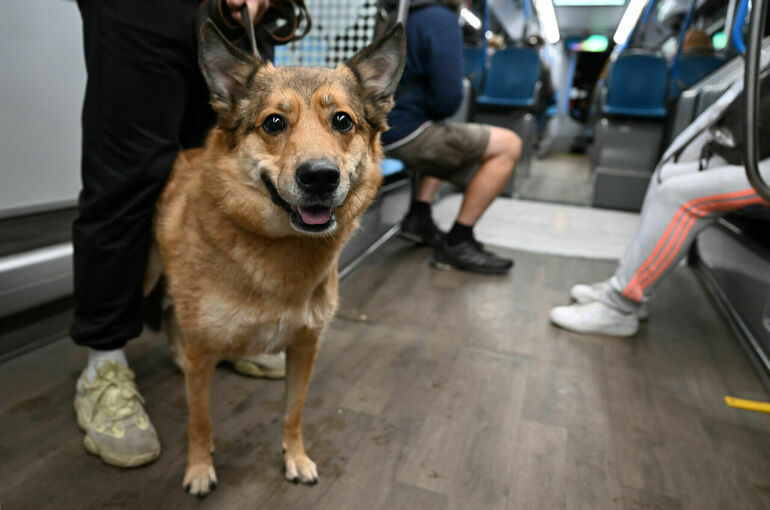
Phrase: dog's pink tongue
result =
(315, 215)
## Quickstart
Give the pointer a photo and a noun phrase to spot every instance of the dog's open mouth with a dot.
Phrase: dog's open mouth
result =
(314, 214)
(307, 218)
(314, 218)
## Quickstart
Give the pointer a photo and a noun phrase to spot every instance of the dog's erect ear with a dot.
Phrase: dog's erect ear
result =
(226, 68)
(379, 66)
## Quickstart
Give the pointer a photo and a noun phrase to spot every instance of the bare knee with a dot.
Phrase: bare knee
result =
(503, 143)
(513, 146)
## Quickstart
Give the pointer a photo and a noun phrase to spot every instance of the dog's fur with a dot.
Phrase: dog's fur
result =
(245, 273)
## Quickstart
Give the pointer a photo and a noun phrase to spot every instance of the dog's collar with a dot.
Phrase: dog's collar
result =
(277, 200)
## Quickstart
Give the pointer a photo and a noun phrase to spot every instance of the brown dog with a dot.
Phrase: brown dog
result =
(250, 227)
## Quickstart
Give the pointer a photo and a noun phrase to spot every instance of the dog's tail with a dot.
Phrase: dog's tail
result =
(153, 306)
(154, 287)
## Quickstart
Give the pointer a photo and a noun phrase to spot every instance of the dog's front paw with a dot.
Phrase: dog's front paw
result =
(200, 479)
(299, 468)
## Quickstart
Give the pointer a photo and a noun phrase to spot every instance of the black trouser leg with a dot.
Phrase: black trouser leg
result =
(145, 100)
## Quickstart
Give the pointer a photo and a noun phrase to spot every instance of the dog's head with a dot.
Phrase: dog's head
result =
(303, 141)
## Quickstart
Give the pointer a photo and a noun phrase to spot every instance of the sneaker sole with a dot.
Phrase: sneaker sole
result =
(619, 332)
(118, 460)
(112, 458)
(252, 370)
(444, 266)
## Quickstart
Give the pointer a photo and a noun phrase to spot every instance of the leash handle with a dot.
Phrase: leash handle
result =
(284, 21)
(249, 26)
(295, 15)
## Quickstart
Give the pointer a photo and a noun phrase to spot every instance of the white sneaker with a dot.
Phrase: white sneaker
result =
(584, 294)
(269, 366)
(109, 410)
(595, 318)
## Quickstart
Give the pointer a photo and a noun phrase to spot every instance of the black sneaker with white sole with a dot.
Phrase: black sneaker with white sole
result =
(421, 230)
(468, 256)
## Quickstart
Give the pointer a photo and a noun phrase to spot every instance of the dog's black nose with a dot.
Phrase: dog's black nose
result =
(318, 176)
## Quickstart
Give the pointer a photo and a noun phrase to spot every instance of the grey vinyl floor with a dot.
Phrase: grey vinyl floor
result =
(433, 390)
(549, 228)
(562, 178)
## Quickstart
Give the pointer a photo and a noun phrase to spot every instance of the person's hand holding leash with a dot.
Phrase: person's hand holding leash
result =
(257, 9)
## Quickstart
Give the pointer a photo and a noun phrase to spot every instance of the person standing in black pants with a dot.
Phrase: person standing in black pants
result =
(145, 101)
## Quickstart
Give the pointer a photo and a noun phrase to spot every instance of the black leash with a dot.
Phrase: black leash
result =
(249, 26)
(284, 21)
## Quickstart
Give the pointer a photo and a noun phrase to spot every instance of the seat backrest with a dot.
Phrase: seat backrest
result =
(691, 69)
(511, 78)
(472, 65)
(703, 93)
(637, 85)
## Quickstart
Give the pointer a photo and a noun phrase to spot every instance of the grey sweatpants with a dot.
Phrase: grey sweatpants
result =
(681, 201)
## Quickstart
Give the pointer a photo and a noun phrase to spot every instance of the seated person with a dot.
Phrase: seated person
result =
(547, 89)
(685, 197)
(696, 42)
(477, 156)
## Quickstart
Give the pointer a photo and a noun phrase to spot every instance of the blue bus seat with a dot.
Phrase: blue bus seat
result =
(637, 86)
(691, 69)
(472, 65)
(511, 79)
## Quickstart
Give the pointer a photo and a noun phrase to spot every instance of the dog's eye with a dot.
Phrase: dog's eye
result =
(274, 124)
(342, 122)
